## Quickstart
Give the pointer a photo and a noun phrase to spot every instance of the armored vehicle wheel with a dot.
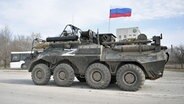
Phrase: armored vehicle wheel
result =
(63, 75)
(98, 76)
(130, 77)
(81, 79)
(41, 74)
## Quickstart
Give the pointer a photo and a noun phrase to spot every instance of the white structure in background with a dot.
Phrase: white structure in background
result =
(127, 33)
(17, 58)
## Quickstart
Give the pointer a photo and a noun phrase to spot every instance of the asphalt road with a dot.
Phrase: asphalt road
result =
(16, 87)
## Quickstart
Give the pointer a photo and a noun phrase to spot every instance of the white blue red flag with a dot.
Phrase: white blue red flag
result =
(120, 12)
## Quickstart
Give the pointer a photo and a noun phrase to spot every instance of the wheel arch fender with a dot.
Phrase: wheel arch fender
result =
(102, 62)
(66, 61)
(134, 63)
(38, 62)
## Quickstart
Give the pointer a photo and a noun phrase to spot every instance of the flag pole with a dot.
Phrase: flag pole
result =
(72, 19)
(109, 24)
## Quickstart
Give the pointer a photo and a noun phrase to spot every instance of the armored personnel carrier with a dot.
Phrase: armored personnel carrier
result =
(96, 59)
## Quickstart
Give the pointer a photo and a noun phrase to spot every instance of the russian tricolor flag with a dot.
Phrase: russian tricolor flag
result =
(120, 12)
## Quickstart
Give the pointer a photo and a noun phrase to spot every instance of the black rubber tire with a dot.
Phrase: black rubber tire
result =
(135, 72)
(103, 71)
(42, 71)
(81, 79)
(68, 76)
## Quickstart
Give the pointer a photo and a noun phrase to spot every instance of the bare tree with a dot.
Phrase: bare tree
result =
(35, 35)
(9, 43)
(21, 43)
(179, 55)
(5, 38)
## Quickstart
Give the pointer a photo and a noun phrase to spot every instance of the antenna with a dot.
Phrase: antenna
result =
(98, 36)
(161, 36)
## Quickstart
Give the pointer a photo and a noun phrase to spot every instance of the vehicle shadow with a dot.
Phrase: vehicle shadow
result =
(84, 85)
(76, 84)
(17, 81)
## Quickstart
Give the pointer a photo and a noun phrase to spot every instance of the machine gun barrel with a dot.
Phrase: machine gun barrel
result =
(64, 38)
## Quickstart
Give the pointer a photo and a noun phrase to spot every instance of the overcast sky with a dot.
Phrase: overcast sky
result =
(49, 17)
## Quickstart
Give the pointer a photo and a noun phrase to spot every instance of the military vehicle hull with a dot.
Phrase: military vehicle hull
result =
(97, 60)
(80, 58)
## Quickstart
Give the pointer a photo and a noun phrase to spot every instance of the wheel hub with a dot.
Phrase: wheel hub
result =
(129, 78)
(39, 74)
(97, 76)
(62, 75)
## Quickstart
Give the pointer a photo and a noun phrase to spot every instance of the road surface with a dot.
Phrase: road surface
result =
(16, 87)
